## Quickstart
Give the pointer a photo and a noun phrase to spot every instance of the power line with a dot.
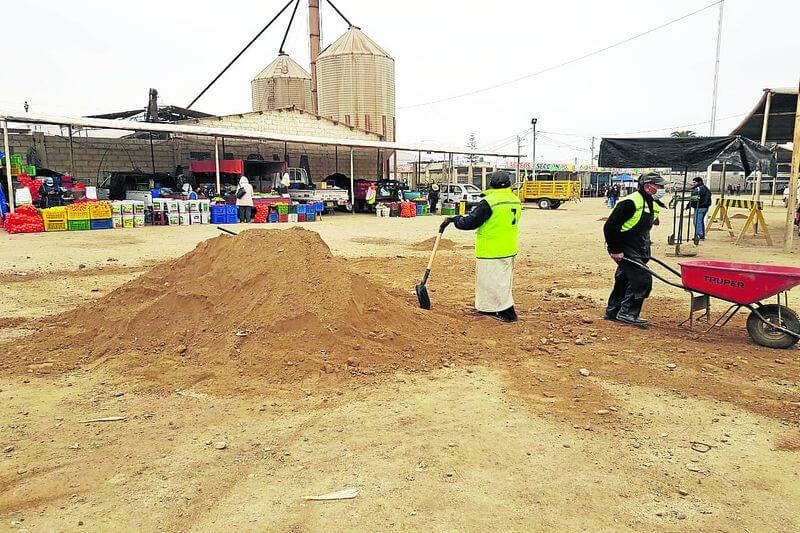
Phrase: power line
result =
(672, 128)
(563, 64)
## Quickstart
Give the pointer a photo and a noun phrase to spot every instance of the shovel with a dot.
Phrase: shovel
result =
(421, 289)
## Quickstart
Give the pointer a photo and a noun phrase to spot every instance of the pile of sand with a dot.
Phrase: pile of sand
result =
(267, 304)
(427, 245)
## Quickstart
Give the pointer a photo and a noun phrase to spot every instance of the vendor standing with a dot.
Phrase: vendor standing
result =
(627, 235)
(49, 194)
(244, 199)
(496, 218)
(433, 198)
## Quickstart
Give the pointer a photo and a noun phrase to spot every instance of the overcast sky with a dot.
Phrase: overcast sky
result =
(94, 56)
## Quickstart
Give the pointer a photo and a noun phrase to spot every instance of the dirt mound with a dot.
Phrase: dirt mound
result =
(427, 245)
(268, 304)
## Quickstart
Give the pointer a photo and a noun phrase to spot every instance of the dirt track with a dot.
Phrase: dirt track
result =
(502, 434)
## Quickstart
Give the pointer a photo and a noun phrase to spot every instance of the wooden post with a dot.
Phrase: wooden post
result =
(9, 179)
(757, 190)
(216, 165)
(352, 184)
(792, 203)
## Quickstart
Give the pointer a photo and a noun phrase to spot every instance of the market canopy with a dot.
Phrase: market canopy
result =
(687, 153)
(780, 123)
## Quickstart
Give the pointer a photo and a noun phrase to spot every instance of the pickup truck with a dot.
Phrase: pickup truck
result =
(300, 190)
(549, 193)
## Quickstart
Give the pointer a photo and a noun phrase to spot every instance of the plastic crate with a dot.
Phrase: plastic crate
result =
(283, 217)
(99, 210)
(311, 217)
(16, 160)
(30, 170)
(231, 214)
(160, 218)
(302, 217)
(101, 223)
(283, 209)
(223, 214)
(273, 217)
(302, 209)
(55, 214)
(79, 212)
(319, 207)
(55, 225)
(293, 209)
(79, 225)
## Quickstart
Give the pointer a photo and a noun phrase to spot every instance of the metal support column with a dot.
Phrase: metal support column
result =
(352, 184)
(152, 154)
(7, 151)
(71, 153)
(216, 165)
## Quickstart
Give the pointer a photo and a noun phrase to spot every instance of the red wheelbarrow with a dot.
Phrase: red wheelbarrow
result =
(741, 285)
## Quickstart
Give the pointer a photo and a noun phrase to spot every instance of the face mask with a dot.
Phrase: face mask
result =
(659, 194)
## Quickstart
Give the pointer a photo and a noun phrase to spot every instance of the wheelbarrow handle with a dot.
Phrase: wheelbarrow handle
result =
(655, 275)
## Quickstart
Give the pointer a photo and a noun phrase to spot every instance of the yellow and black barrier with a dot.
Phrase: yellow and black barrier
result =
(754, 219)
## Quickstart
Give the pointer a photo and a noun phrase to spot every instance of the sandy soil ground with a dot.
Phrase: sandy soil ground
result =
(671, 430)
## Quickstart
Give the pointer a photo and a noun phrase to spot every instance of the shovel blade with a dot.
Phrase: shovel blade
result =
(422, 296)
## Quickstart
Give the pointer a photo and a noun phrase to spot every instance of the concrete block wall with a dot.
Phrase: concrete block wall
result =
(95, 156)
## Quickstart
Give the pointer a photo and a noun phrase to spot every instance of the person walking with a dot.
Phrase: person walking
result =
(496, 217)
(433, 198)
(627, 236)
(700, 200)
(244, 199)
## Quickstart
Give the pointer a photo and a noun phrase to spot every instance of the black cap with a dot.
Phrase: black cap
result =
(652, 177)
(499, 180)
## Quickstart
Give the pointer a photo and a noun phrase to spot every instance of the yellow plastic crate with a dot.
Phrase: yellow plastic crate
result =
(99, 210)
(56, 214)
(55, 225)
(78, 212)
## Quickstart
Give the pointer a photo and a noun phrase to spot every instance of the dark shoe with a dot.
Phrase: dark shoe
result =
(632, 320)
(501, 316)
(612, 318)
(510, 314)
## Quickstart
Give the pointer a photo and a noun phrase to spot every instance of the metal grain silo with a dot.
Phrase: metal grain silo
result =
(355, 83)
(282, 83)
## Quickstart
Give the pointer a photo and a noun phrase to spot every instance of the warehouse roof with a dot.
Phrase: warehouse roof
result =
(232, 133)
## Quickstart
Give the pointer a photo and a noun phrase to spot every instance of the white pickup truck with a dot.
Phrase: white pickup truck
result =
(301, 191)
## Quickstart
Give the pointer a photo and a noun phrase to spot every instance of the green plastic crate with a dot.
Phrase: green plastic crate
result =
(16, 160)
(79, 225)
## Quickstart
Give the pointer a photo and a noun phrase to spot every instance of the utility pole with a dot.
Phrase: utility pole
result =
(591, 163)
(716, 69)
(533, 142)
(716, 82)
(519, 148)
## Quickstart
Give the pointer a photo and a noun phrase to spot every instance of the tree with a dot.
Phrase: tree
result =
(683, 133)
(472, 144)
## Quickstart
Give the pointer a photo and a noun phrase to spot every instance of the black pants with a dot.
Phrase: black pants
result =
(632, 286)
(245, 213)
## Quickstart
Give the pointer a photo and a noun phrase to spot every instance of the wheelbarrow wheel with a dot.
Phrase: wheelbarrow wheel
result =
(767, 336)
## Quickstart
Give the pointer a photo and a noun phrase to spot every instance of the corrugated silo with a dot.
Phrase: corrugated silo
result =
(355, 83)
(282, 83)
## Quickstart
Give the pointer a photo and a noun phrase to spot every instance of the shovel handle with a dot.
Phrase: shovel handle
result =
(433, 253)
(229, 232)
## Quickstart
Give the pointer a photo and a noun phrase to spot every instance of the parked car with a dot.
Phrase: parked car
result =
(460, 192)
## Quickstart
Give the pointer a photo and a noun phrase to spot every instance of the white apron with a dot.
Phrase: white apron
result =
(493, 280)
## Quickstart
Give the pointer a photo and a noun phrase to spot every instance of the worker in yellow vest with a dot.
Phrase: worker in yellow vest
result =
(496, 218)
(627, 234)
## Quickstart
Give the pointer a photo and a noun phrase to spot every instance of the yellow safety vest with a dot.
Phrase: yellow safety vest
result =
(498, 237)
(641, 205)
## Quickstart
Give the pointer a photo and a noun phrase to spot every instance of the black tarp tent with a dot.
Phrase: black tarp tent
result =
(687, 153)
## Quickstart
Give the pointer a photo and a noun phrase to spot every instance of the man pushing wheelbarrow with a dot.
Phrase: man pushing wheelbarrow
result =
(627, 234)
